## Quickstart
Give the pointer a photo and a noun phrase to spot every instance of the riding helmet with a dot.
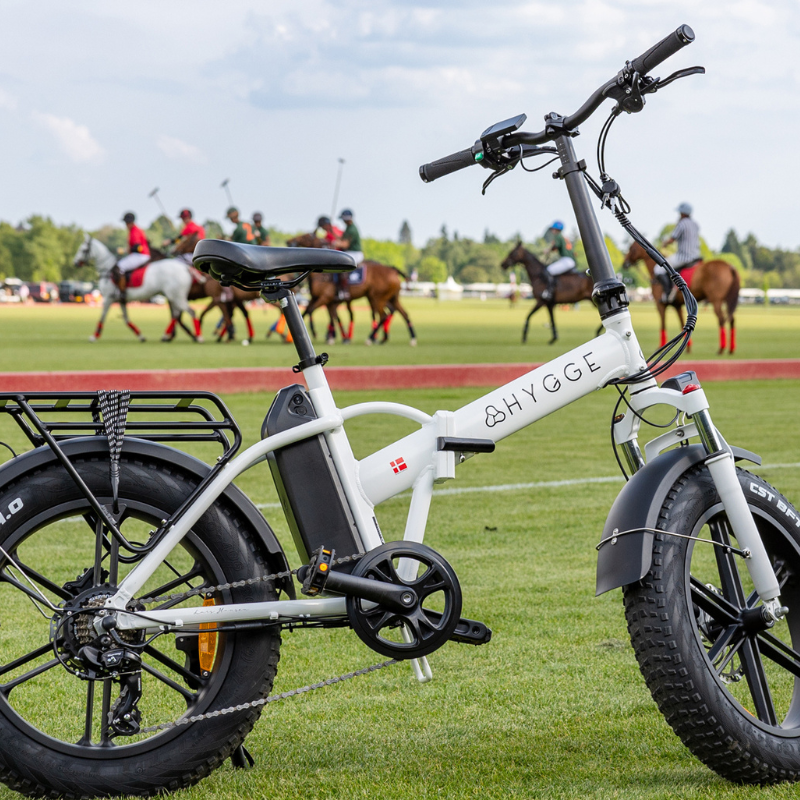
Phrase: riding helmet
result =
(558, 226)
(185, 212)
(684, 208)
(129, 217)
(346, 214)
(323, 221)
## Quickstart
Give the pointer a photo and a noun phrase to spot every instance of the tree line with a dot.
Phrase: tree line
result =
(40, 250)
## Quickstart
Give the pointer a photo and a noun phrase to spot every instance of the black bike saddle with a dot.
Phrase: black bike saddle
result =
(248, 265)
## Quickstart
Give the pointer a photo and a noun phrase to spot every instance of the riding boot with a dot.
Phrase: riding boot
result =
(344, 286)
(122, 285)
(549, 292)
(669, 288)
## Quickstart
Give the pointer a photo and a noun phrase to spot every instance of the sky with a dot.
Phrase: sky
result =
(100, 103)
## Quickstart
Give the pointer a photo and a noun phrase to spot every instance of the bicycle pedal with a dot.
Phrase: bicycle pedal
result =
(314, 575)
(468, 631)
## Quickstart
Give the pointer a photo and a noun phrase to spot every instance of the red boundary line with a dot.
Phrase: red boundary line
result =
(424, 376)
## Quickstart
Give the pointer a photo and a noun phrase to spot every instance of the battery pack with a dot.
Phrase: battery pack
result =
(311, 494)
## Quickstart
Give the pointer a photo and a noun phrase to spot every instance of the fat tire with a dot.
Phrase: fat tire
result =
(663, 630)
(188, 753)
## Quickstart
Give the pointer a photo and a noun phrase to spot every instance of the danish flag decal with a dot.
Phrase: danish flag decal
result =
(398, 465)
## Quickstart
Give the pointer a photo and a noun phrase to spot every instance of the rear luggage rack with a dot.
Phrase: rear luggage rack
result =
(193, 423)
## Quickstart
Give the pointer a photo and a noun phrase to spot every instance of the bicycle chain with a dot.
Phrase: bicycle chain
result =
(237, 584)
(276, 698)
(272, 698)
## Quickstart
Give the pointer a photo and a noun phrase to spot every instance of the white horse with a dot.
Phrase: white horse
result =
(169, 277)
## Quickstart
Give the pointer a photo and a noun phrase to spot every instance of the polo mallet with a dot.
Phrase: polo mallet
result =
(224, 185)
(336, 190)
(154, 194)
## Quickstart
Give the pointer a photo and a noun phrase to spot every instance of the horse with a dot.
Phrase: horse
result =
(169, 277)
(381, 286)
(717, 282)
(570, 287)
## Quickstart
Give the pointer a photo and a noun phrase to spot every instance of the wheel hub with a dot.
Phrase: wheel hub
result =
(84, 651)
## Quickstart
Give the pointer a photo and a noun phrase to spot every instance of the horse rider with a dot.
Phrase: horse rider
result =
(332, 233)
(243, 233)
(565, 262)
(259, 231)
(350, 242)
(190, 229)
(138, 254)
(687, 234)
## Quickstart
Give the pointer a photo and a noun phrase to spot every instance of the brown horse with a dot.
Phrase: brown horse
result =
(717, 282)
(570, 287)
(381, 287)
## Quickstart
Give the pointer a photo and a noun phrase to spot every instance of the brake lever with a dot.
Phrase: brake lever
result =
(681, 73)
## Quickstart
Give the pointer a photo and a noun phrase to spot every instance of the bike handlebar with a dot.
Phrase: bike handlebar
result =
(444, 166)
(649, 60)
(667, 47)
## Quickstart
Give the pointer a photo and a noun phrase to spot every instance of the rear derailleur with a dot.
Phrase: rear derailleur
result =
(109, 655)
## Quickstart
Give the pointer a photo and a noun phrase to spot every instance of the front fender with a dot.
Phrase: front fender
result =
(638, 505)
(33, 460)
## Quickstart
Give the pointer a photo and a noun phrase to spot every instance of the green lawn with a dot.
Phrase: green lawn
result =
(470, 331)
(554, 706)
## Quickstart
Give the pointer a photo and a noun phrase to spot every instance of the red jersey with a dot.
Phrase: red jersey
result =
(336, 233)
(193, 228)
(137, 241)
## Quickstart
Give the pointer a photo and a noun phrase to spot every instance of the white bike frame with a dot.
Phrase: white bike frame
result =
(415, 462)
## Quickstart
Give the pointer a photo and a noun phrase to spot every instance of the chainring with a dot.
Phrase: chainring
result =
(416, 631)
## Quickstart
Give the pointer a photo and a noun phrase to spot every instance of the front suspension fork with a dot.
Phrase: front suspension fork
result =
(723, 472)
(721, 466)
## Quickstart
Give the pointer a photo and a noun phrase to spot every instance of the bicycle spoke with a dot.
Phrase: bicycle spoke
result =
(7, 687)
(784, 656)
(11, 581)
(187, 695)
(181, 579)
(105, 739)
(86, 739)
(753, 669)
(43, 581)
(18, 662)
(193, 681)
(726, 639)
(731, 583)
(717, 607)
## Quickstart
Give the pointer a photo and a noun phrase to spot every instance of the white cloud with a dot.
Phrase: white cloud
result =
(74, 139)
(7, 101)
(183, 151)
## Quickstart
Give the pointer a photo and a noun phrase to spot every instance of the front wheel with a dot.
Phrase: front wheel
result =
(727, 684)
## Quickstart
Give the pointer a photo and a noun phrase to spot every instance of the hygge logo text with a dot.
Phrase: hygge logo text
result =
(551, 384)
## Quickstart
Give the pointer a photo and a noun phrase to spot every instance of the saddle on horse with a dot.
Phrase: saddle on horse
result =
(127, 280)
(670, 290)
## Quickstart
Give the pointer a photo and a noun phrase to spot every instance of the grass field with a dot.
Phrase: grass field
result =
(554, 706)
(469, 331)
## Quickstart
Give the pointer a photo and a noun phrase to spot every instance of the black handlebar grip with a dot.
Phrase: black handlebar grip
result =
(444, 166)
(663, 50)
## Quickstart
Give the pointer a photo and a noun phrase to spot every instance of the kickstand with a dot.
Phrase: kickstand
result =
(241, 758)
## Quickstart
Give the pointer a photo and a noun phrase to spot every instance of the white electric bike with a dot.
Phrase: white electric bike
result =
(139, 644)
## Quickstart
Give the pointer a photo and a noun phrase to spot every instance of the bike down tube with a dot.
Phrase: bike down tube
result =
(511, 407)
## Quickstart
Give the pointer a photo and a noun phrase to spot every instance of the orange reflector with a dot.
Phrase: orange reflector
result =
(323, 567)
(207, 642)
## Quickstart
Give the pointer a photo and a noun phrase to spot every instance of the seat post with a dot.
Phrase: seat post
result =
(294, 319)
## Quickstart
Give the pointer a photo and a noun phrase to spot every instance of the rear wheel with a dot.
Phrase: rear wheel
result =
(727, 684)
(56, 737)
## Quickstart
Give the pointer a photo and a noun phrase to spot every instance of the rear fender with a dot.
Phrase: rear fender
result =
(638, 505)
(97, 446)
